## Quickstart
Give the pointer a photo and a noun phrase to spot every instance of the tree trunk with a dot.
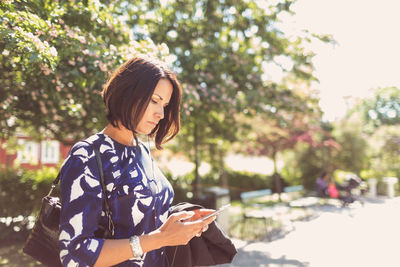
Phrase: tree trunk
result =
(224, 178)
(277, 180)
(196, 184)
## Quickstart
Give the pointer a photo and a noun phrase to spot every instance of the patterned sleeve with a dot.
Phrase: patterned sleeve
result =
(81, 199)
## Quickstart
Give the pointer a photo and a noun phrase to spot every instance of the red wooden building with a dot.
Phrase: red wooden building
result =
(31, 154)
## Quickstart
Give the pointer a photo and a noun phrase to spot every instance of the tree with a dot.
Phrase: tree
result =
(385, 151)
(221, 49)
(379, 116)
(381, 109)
(310, 158)
(55, 58)
(271, 137)
(353, 155)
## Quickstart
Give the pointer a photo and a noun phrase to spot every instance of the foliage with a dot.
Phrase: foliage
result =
(309, 158)
(11, 255)
(308, 163)
(379, 116)
(368, 138)
(222, 49)
(55, 57)
(290, 172)
(23, 190)
(384, 153)
(239, 181)
(341, 176)
(381, 109)
(272, 137)
(353, 155)
(21, 195)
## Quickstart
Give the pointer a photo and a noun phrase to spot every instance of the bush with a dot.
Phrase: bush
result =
(182, 185)
(22, 192)
(238, 182)
(20, 198)
(246, 181)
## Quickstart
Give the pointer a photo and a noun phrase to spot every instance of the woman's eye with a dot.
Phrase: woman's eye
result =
(154, 101)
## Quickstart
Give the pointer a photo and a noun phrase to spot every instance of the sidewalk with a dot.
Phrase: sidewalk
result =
(353, 236)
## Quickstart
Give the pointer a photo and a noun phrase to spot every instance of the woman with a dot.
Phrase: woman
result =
(141, 97)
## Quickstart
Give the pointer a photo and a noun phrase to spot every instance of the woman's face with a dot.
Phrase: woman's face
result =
(155, 110)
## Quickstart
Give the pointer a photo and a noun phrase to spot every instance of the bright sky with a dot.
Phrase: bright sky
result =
(368, 52)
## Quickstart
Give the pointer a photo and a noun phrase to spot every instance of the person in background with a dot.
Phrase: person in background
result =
(141, 97)
(327, 188)
(322, 184)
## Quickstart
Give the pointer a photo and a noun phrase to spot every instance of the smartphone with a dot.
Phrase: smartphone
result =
(215, 212)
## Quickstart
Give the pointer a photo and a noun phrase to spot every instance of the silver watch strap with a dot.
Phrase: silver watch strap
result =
(137, 251)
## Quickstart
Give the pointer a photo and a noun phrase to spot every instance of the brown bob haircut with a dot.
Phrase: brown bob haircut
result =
(128, 93)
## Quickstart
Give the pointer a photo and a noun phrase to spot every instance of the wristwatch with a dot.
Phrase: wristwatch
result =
(136, 247)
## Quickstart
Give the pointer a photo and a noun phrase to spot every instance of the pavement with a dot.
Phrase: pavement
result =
(355, 236)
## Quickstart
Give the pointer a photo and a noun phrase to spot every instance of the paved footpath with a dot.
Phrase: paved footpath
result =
(355, 236)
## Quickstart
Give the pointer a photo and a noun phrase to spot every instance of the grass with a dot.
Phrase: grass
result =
(259, 229)
(252, 229)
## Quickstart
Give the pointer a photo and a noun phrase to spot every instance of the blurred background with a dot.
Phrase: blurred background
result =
(275, 92)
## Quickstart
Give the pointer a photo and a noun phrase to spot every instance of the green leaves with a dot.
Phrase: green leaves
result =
(221, 49)
(55, 58)
(385, 109)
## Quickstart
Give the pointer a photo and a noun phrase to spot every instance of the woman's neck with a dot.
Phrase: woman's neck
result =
(121, 134)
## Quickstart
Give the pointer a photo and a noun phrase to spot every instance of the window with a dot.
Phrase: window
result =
(50, 151)
(28, 152)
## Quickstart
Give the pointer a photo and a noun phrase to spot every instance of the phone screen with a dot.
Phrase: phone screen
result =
(215, 212)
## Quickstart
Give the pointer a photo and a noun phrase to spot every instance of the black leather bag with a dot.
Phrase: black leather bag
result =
(42, 243)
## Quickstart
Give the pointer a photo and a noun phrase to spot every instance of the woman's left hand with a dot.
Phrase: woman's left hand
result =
(198, 214)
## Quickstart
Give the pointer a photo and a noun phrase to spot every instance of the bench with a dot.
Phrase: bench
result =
(259, 211)
(291, 192)
(246, 196)
(294, 188)
(302, 202)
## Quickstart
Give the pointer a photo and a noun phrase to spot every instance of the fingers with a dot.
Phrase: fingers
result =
(199, 226)
(204, 212)
(179, 229)
(209, 220)
(205, 228)
(199, 213)
(200, 222)
(183, 215)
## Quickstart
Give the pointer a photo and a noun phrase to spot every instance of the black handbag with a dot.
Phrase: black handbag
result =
(42, 243)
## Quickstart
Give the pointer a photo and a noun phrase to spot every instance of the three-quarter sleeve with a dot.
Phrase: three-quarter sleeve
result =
(81, 199)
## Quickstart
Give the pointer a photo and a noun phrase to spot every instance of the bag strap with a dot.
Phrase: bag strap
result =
(103, 188)
(54, 184)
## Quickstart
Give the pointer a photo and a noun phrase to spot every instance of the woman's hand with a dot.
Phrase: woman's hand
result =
(198, 214)
(181, 227)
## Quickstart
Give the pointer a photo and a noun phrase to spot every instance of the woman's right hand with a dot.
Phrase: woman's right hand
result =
(178, 230)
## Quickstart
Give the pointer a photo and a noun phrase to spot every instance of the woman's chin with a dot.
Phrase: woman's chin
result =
(145, 131)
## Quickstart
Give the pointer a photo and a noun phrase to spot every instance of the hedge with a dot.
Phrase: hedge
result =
(20, 199)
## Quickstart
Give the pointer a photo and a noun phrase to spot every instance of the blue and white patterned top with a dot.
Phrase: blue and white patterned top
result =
(139, 196)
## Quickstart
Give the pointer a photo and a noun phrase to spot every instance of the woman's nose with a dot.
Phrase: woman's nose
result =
(160, 113)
